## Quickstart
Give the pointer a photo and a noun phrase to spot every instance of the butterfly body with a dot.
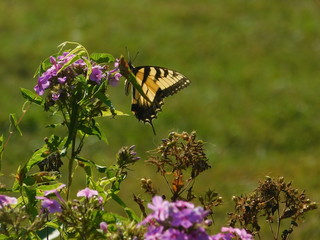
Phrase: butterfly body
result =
(151, 84)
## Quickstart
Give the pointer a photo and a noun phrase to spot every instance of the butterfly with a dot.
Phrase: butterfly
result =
(150, 85)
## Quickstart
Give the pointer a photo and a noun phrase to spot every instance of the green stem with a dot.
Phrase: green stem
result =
(24, 111)
(73, 130)
(70, 166)
(279, 217)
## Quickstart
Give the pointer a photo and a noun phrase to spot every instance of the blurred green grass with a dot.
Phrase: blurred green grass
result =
(254, 67)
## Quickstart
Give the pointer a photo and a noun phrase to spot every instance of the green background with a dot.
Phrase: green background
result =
(254, 96)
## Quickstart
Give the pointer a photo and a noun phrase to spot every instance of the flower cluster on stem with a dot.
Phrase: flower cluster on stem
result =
(181, 220)
(66, 68)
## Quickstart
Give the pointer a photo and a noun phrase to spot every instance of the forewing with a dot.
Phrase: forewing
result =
(157, 83)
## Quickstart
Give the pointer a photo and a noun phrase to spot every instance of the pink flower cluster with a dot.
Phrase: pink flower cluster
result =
(58, 75)
(182, 220)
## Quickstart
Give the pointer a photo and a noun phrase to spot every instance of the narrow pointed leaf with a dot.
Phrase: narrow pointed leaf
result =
(31, 96)
(128, 74)
(108, 113)
(14, 123)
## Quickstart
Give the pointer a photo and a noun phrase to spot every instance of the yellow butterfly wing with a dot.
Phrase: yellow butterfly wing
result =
(156, 84)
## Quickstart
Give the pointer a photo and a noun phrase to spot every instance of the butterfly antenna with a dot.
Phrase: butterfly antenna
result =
(135, 56)
(128, 54)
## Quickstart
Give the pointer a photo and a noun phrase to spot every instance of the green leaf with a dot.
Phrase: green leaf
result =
(31, 96)
(128, 211)
(14, 123)
(131, 78)
(43, 67)
(103, 98)
(79, 50)
(48, 187)
(111, 218)
(31, 235)
(131, 214)
(89, 67)
(4, 237)
(73, 123)
(67, 64)
(90, 163)
(52, 224)
(111, 171)
(37, 157)
(118, 200)
(97, 130)
(99, 89)
(87, 165)
(54, 142)
(94, 130)
(108, 113)
(31, 193)
(102, 58)
(19, 177)
(51, 145)
(3, 189)
(44, 178)
(106, 181)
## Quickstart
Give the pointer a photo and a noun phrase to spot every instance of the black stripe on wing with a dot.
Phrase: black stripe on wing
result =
(168, 82)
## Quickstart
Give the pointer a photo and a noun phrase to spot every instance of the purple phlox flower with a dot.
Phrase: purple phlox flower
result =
(116, 63)
(6, 200)
(114, 75)
(184, 214)
(116, 67)
(229, 233)
(56, 192)
(87, 192)
(199, 214)
(104, 227)
(148, 220)
(160, 208)
(222, 236)
(48, 192)
(51, 205)
(183, 218)
(65, 57)
(100, 199)
(62, 79)
(55, 95)
(242, 233)
(80, 63)
(174, 234)
(39, 89)
(113, 79)
(183, 204)
(198, 234)
(154, 233)
(97, 74)
(176, 220)
(53, 60)
(56, 65)
(44, 80)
